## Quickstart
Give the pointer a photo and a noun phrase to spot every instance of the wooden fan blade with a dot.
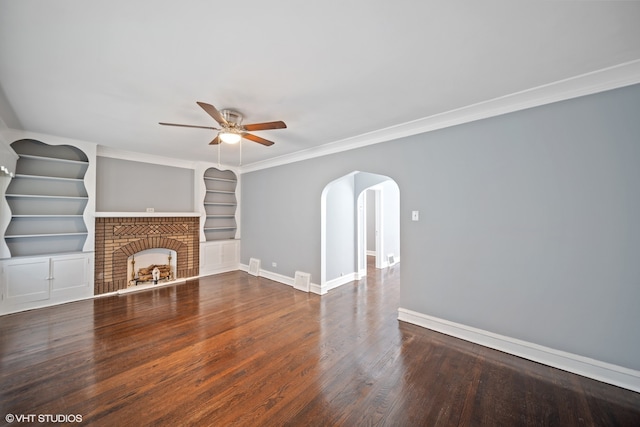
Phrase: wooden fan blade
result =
(265, 126)
(213, 112)
(187, 126)
(215, 141)
(257, 139)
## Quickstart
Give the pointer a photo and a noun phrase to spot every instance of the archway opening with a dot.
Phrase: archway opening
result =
(344, 230)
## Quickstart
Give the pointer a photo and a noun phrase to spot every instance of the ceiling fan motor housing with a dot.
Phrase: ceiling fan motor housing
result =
(233, 117)
(232, 128)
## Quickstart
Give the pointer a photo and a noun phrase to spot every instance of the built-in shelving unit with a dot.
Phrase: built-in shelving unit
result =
(47, 198)
(220, 204)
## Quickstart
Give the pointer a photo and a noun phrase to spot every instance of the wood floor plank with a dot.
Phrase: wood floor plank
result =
(234, 349)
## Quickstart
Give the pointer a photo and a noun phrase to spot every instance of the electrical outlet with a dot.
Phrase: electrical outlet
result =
(150, 210)
(415, 216)
(274, 264)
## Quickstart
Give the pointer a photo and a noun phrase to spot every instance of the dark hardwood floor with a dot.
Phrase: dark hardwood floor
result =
(234, 349)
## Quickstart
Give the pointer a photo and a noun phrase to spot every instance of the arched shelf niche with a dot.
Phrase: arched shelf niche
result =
(220, 204)
(47, 198)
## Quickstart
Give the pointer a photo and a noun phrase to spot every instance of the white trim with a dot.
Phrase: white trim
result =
(116, 153)
(217, 270)
(316, 289)
(361, 234)
(277, 277)
(280, 278)
(6, 148)
(323, 230)
(379, 227)
(147, 287)
(339, 281)
(587, 367)
(621, 75)
(385, 262)
(144, 214)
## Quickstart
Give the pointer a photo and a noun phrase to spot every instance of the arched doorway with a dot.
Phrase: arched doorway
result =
(343, 226)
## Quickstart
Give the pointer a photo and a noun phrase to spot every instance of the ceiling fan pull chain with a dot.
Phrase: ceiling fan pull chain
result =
(240, 153)
(219, 154)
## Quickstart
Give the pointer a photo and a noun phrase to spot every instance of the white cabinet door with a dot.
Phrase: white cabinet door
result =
(26, 280)
(70, 277)
(28, 283)
(219, 256)
(212, 258)
(229, 254)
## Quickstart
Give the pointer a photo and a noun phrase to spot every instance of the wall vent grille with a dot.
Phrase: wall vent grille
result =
(254, 266)
(302, 281)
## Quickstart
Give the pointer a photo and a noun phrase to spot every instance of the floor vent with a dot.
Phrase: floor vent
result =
(302, 281)
(254, 266)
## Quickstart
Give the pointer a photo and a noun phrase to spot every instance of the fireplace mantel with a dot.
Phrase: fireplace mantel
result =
(145, 214)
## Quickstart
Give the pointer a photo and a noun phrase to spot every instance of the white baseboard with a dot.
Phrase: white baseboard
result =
(385, 262)
(339, 281)
(217, 270)
(280, 278)
(590, 368)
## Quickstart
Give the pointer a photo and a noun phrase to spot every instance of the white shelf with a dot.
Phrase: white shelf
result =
(219, 204)
(47, 216)
(221, 191)
(25, 236)
(53, 159)
(48, 178)
(44, 196)
(211, 178)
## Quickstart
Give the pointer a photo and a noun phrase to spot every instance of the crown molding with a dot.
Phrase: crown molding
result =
(621, 75)
(116, 153)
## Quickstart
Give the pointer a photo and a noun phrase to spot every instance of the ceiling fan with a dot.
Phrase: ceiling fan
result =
(232, 130)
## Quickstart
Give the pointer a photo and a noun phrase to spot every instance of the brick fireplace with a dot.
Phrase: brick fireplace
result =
(117, 238)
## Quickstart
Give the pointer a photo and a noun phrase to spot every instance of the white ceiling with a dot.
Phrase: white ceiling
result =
(108, 71)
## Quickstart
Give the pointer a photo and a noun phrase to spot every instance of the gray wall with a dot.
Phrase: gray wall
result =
(371, 220)
(341, 228)
(528, 222)
(127, 186)
(391, 218)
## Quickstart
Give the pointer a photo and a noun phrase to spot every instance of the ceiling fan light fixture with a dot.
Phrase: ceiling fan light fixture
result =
(229, 136)
(232, 130)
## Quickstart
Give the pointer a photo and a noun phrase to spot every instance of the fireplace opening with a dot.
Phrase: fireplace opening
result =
(151, 267)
